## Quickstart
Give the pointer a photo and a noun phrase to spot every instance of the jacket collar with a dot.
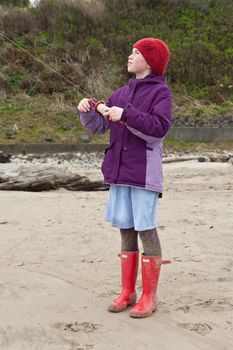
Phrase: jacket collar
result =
(150, 78)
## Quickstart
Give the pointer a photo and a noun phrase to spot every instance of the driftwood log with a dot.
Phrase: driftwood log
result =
(40, 178)
(37, 179)
(179, 159)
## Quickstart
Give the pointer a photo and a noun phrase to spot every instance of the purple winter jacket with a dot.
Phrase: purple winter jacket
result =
(134, 155)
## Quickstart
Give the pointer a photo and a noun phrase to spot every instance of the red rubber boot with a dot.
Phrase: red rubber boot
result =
(150, 275)
(129, 271)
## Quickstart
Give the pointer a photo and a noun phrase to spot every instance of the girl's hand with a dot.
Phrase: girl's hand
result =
(102, 108)
(84, 105)
(114, 114)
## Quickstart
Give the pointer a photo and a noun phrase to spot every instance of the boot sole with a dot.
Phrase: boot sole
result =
(118, 310)
(112, 309)
(143, 315)
(132, 302)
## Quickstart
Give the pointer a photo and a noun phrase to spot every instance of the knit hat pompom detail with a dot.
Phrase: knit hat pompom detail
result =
(155, 52)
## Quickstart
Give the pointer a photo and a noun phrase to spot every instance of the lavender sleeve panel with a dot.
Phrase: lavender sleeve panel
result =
(94, 122)
(155, 124)
(149, 139)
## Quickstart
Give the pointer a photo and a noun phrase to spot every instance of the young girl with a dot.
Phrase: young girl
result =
(139, 116)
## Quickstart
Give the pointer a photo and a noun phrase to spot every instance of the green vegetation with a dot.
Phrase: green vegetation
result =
(89, 41)
(33, 120)
(19, 3)
(192, 147)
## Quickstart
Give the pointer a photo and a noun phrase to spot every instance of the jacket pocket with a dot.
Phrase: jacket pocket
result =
(108, 148)
(106, 166)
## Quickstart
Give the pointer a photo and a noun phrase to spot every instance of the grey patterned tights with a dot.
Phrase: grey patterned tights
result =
(149, 238)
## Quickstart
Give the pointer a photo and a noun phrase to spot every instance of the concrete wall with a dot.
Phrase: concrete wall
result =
(179, 134)
(201, 134)
(51, 148)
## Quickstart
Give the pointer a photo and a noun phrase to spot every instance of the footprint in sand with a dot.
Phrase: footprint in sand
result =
(8, 290)
(200, 328)
(85, 327)
(28, 338)
(216, 305)
(184, 308)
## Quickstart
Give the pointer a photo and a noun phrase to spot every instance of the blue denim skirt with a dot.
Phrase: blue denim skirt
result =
(129, 206)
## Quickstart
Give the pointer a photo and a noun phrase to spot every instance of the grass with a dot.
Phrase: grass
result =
(34, 119)
(199, 102)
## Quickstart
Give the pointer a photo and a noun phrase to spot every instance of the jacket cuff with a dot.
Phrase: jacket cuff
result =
(124, 113)
(97, 104)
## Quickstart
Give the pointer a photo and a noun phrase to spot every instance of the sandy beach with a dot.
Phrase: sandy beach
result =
(59, 267)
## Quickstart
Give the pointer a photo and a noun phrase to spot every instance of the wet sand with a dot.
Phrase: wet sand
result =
(59, 268)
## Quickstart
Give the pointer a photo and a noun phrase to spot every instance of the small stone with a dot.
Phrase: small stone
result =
(85, 138)
(49, 139)
(203, 159)
(10, 134)
(220, 158)
(15, 128)
(4, 157)
(67, 126)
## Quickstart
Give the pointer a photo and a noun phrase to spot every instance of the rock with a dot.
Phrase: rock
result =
(203, 159)
(4, 157)
(67, 126)
(85, 138)
(49, 139)
(15, 128)
(224, 120)
(29, 158)
(221, 158)
(10, 134)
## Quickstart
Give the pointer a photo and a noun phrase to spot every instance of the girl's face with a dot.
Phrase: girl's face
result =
(137, 64)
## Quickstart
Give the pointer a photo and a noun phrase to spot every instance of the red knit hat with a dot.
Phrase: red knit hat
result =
(155, 52)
